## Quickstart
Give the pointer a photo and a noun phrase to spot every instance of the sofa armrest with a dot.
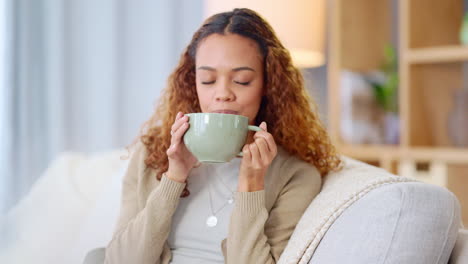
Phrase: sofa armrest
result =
(364, 214)
(406, 223)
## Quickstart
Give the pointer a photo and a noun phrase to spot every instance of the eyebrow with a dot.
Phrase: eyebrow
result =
(235, 69)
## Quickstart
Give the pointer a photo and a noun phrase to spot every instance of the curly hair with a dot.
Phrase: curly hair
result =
(286, 107)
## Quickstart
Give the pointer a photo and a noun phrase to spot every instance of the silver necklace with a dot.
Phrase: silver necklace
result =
(212, 220)
(231, 199)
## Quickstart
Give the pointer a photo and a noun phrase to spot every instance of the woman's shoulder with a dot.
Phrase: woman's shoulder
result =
(289, 172)
(287, 161)
(138, 153)
(139, 176)
(138, 147)
(137, 167)
(287, 167)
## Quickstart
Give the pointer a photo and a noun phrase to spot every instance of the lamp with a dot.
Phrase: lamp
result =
(299, 24)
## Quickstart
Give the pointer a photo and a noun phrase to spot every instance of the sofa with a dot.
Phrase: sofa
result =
(363, 214)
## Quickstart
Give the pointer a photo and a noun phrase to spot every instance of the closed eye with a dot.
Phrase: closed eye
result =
(211, 82)
(242, 83)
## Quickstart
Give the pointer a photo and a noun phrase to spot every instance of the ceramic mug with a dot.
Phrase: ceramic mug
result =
(215, 137)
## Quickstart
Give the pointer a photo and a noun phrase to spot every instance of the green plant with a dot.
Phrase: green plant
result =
(386, 92)
(464, 30)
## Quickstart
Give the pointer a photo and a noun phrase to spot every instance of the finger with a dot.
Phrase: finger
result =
(269, 139)
(256, 159)
(179, 115)
(178, 134)
(264, 135)
(263, 126)
(265, 154)
(246, 154)
(177, 124)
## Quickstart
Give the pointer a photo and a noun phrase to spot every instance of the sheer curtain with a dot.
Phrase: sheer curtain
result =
(5, 137)
(81, 75)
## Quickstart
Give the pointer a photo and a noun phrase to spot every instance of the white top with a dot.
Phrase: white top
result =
(191, 240)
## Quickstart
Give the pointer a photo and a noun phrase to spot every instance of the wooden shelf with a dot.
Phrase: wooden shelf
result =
(391, 152)
(449, 155)
(441, 54)
(430, 71)
(369, 152)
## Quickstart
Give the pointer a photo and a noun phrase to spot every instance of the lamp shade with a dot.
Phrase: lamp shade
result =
(299, 24)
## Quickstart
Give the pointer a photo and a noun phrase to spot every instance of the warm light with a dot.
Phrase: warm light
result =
(299, 24)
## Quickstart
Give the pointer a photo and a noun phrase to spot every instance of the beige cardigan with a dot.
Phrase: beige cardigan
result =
(260, 226)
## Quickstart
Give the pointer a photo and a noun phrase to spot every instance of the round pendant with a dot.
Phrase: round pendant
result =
(230, 200)
(212, 221)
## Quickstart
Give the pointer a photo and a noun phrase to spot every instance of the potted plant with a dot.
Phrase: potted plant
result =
(385, 88)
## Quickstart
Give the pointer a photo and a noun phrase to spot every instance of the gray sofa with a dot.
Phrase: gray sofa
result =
(364, 214)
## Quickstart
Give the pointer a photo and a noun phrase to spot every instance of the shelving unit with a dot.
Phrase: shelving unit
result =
(430, 65)
(450, 53)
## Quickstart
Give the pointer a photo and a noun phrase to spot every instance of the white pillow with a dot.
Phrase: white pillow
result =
(98, 227)
(44, 225)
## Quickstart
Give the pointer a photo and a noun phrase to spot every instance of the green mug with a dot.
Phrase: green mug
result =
(215, 137)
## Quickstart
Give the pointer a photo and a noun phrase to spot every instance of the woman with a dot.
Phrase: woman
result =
(234, 64)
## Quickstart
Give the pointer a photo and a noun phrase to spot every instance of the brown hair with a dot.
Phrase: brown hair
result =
(286, 107)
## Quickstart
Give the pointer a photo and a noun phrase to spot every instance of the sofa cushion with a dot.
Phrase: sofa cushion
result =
(45, 225)
(98, 226)
(396, 223)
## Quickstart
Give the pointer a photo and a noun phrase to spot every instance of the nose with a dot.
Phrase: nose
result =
(224, 92)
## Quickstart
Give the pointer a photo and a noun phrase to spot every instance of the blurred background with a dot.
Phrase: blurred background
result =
(79, 78)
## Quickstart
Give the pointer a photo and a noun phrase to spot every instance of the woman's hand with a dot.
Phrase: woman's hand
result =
(257, 157)
(181, 161)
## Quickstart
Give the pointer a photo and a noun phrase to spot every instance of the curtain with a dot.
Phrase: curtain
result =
(82, 76)
(5, 131)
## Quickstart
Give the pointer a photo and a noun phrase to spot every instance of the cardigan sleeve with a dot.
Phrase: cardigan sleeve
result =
(140, 234)
(258, 236)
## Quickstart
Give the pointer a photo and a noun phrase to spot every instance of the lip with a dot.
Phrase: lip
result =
(226, 111)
